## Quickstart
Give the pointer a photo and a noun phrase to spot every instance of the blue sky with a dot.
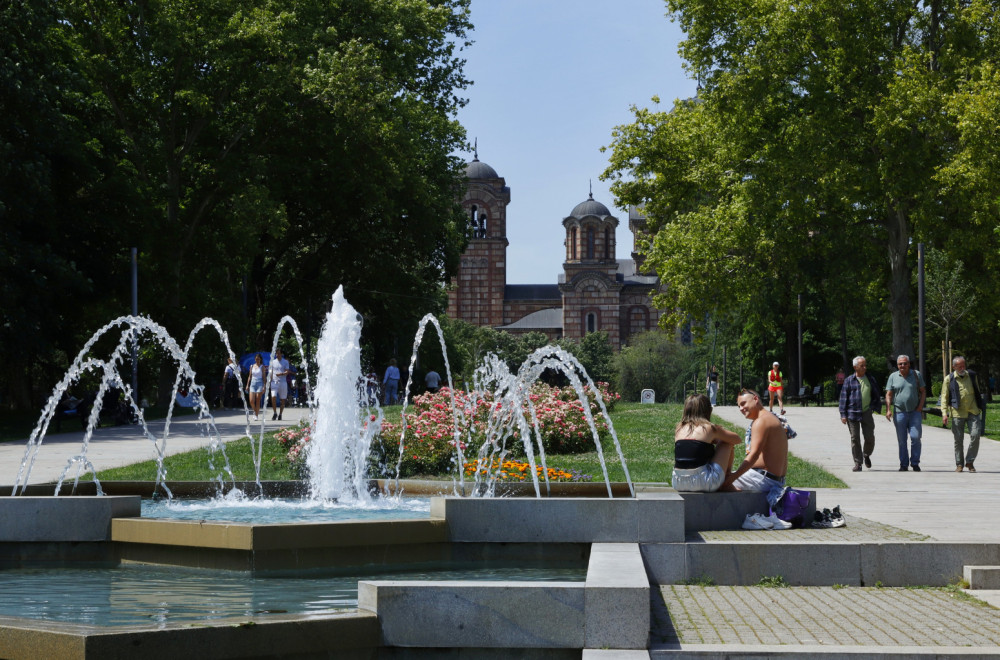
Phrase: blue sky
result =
(552, 78)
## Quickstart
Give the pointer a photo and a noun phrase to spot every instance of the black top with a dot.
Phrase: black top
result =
(713, 375)
(690, 454)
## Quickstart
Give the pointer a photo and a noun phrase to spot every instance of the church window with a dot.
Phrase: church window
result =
(482, 225)
(607, 243)
(472, 221)
(590, 243)
(572, 244)
(591, 322)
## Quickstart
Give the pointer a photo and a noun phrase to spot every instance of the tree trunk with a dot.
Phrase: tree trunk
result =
(900, 301)
(845, 362)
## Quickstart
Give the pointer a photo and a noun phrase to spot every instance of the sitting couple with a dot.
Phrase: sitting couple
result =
(703, 451)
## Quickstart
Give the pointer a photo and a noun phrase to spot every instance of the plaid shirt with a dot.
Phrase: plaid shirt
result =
(850, 398)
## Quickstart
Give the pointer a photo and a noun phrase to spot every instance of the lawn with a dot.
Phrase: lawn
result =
(645, 433)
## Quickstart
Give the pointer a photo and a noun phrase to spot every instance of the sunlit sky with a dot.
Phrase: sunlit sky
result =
(552, 78)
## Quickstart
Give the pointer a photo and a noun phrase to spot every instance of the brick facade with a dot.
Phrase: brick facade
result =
(595, 292)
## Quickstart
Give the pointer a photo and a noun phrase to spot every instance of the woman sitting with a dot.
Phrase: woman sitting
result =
(703, 451)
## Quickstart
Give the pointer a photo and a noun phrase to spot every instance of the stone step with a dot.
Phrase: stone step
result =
(982, 577)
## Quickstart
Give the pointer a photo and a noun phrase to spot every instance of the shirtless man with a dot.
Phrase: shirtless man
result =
(767, 457)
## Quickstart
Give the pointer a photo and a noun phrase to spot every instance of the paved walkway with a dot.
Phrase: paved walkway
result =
(937, 502)
(123, 445)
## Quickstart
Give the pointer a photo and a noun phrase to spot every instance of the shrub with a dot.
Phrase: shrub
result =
(429, 442)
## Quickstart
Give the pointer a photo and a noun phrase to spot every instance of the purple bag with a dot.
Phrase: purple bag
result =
(791, 506)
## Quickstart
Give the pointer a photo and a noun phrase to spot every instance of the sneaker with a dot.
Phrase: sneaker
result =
(822, 520)
(915, 468)
(868, 461)
(903, 468)
(274, 417)
(756, 521)
(782, 411)
(968, 466)
(856, 468)
(836, 517)
(778, 523)
(255, 418)
(279, 416)
(958, 468)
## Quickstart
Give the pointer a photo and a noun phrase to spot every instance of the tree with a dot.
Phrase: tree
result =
(949, 297)
(821, 130)
(248, 149)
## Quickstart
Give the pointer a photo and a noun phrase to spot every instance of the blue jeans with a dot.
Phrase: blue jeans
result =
(713, 391)
(390, 392)
(908, 423)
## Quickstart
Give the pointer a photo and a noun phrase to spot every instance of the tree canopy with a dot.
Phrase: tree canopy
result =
(826, 140)
(255, 151)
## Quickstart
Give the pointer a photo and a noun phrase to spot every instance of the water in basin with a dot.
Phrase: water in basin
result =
(286, 510)
(132, 595)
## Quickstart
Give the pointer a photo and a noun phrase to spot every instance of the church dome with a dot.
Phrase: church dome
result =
(480, 170)
(590, 206)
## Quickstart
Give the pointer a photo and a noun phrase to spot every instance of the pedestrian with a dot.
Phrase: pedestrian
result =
(231, 385)
(390, 382)
(712, 385)
(775, 386)
(904, 406)
(839, 380)
(433, 381)
(859, 399)
(255, 384)
(962, 403)
(280, 369)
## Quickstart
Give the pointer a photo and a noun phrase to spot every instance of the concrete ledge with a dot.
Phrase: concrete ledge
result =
(473, 615)
(61, 519)
(894, 564)
(656, 518)
(352, 635)
(982, 577)
(711, 511)
(617, 597)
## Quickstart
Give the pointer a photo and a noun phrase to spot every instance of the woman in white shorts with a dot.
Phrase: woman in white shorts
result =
(255, 384)
(703, 451)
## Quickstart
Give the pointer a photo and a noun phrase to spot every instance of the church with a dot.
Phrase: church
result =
(595, 291)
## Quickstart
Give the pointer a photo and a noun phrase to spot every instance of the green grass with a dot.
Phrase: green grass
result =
(776, 581)
(194, 465)
(645, 432)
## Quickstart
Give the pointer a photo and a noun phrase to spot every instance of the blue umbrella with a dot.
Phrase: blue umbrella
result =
(248, 359)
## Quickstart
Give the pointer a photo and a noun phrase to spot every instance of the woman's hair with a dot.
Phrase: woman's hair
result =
(697, 412)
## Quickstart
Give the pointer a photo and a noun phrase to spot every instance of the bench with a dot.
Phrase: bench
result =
(722, 511)
(804, 396)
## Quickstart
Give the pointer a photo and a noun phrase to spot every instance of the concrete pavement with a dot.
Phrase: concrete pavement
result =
(123, 445)
(937, 502)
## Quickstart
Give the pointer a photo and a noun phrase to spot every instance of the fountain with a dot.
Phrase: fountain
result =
(343, 427)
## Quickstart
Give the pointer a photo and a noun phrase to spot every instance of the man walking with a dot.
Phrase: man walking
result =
(279, 370)
(905, 394)
(859, 398)
(962, 402)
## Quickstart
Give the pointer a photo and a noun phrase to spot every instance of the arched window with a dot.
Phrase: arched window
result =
(482, 226)
(573, 254)
(590, 242)
(472, 221)
(591, 325)
(607, 243)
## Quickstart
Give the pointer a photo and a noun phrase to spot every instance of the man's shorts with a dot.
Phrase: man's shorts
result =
(705, 479)
(279, 388)
(754, 482)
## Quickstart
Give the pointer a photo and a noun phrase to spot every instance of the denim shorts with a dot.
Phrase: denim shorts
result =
(256, 386)
(705, 479)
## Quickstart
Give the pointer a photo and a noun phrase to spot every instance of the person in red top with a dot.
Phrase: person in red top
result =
(775, 386)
